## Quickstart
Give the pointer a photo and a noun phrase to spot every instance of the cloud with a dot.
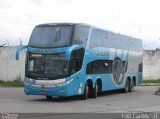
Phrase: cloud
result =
(37, 1)
(137, 18)
(2, 4)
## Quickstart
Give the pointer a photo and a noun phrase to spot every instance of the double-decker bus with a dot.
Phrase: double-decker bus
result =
(66, 59)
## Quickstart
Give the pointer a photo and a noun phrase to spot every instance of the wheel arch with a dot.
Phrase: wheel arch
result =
(128, 78)
(134, 80)
(89, 83)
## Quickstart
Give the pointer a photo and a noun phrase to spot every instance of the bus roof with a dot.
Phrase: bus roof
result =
(53, 24)
(94, 27)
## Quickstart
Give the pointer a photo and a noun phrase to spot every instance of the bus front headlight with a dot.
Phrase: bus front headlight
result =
(65, 83)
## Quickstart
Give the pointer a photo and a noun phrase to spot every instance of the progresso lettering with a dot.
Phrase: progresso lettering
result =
(45, 50)
(99, 53)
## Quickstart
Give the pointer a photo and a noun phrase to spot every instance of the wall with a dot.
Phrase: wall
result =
(151, 64)
(10, 69)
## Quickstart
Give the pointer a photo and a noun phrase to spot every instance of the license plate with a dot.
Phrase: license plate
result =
(43, 92)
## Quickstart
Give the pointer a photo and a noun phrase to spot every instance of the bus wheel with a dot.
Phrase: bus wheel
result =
(126, 89)
(49, 97)
(95, 91)
(131, 86)
(86, 92)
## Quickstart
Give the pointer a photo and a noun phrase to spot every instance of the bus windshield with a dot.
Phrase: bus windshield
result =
(51, 36)
(46, 66)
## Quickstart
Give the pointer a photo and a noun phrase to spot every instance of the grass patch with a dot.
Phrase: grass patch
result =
(151, 82)
(14, 83)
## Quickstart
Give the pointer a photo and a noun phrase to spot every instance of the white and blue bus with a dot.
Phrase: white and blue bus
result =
(65, 59)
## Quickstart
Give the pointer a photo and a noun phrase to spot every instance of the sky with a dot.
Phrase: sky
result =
(136, 18)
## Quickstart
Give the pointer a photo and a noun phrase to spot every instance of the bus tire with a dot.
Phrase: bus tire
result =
(95, 91)
(86, 92)
(49, 97)
(131, 85)
(126, 89)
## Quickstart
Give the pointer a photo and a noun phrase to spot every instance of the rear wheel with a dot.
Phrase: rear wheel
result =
(86, 92)
(131, 86)
(95, 91)
(126, 89)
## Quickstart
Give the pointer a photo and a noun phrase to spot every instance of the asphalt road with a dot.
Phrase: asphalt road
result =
(142, 99)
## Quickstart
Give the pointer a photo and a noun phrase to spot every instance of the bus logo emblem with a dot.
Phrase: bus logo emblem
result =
(118, 69)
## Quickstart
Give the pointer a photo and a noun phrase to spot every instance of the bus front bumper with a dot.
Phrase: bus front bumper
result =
(62, 89)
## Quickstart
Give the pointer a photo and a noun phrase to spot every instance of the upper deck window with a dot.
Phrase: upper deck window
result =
(81, 33)
(51, 36)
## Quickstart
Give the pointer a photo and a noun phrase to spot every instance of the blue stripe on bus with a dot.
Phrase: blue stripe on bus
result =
(127, 56)
(122, 55)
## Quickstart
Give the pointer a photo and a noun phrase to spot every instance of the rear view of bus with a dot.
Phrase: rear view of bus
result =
(76, 59)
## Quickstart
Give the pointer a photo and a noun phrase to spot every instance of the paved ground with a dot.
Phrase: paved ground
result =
(142, 99)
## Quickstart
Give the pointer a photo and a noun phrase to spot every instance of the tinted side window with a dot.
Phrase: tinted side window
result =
(135, 44)
(97, 38)
(99, 67)
(116, 41)
(80, 34)
(107, 42)
(124, 43)
(76, 60)
(139, 45)
(140, 68)
(132, 45)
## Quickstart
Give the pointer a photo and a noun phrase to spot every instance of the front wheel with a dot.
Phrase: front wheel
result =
(86, 92)
(49, 97)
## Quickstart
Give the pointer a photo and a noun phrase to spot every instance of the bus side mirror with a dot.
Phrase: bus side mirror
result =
(20, 49)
